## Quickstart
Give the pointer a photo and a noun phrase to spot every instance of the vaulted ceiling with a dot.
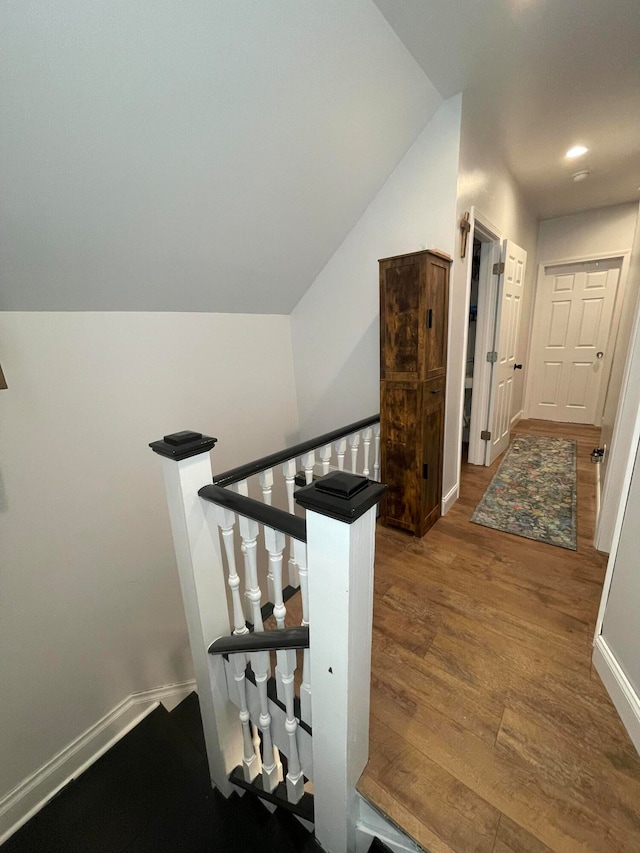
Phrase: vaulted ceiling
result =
(545, 75)
(201, 155)
(205, 155)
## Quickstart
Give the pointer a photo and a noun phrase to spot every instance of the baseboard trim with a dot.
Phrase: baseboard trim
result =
(34, 792)
(619, 688)
(517, 417)
(450, 498)
(598, 499)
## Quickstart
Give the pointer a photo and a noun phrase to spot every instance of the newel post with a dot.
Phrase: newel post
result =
(187, 467)
(341, 516)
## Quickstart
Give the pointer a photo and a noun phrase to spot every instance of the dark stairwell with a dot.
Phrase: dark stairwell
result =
(150, 793)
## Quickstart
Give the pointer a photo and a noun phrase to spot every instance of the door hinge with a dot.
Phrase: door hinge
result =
(498, 269)
(485, 435)
(492, 357)
(425, 471)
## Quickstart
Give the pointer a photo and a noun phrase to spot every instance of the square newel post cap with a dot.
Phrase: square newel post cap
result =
(341, 495)
(182, 445)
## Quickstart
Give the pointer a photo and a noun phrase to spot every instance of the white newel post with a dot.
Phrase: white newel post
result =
(187, 467)
(341, 515)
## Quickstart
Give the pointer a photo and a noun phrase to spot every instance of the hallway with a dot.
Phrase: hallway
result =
(490, 730)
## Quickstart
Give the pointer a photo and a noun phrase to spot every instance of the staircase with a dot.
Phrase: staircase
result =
(151, 793)
(284, 705)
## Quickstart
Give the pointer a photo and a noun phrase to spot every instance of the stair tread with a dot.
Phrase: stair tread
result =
(292, 826)
(276, 836)
(303, 808)
(187, 716)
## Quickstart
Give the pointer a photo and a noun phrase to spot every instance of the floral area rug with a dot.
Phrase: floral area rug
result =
(533, 492)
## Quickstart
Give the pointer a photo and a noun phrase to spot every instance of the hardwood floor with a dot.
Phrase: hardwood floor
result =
(490, 730)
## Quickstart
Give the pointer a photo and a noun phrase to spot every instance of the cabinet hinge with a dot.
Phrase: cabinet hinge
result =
(485, 435)
(425, 471)
(498, 269)
(492, 357)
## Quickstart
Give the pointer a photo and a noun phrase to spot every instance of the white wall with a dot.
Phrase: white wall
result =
(615, 654)
(618, 627)
(335, 326)
(90, 609)
(617, 418)
(485, 182)
(192, 155)
(592, 232)
(621, 626)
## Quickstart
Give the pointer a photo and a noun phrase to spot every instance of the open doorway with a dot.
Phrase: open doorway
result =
(471, 346)
(482, 313)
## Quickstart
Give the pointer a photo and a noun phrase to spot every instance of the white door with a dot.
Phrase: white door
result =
(509, 309)
(572, 320)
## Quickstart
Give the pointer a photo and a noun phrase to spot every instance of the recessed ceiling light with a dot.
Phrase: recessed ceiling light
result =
(576, 151)
(581, 176)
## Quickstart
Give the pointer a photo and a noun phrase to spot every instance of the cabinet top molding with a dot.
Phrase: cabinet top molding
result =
(437, 252)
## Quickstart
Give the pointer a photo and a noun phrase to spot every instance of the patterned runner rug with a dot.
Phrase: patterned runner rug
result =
(533, 492)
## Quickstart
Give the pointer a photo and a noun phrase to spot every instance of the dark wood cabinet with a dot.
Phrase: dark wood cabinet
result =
(414, 302)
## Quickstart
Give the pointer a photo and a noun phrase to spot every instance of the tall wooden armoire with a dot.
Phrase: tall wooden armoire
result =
(414, 303)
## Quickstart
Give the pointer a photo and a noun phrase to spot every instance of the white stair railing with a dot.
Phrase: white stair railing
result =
(330, 557)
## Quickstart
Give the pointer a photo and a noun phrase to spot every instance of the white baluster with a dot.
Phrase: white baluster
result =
(289, 471)
(354, 442)
(300, 551)
(266, 484)
(271, 766)
(295, 778)
(376, 454)
(265, 479)
(249, 530)
(308, 461)
(274, 542)
(325, 456)
(242, 488)
(251, 760)
(366, 440)
(226, 521)
(341, 449)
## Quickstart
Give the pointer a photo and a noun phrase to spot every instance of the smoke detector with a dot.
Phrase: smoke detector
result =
(581, 176)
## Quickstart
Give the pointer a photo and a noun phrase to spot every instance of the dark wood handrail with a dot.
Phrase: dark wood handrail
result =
(273, 517)
(262, 641)
(234, 475)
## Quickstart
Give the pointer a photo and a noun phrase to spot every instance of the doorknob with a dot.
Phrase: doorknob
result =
(517, 367)
(599, 355)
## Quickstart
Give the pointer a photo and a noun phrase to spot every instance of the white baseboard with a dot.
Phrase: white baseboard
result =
(619, 688)
(517, 417)
(34, 792)
(450, 498)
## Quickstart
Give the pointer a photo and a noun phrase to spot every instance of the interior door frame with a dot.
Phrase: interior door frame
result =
(615, 321)
(485, 231)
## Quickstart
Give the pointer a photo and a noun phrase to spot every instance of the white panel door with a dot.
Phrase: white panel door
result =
(510, 290)
(571, 329)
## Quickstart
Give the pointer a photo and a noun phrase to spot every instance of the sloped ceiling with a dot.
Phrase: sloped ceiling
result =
(192, 155)
(542, 75)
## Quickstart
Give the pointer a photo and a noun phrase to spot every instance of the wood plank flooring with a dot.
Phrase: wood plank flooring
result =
(490, 730)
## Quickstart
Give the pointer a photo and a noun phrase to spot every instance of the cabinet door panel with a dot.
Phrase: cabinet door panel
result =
(400, 428)
(401, 329)
(432, 435)
(437, 308)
